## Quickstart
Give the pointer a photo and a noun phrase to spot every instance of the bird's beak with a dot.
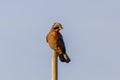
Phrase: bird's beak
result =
(61, 27)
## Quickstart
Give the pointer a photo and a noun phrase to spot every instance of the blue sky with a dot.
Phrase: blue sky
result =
(91, 34)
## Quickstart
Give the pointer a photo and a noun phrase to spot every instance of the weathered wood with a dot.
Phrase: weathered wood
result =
(54, 66)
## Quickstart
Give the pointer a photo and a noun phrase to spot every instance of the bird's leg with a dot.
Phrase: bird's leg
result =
(56, 53)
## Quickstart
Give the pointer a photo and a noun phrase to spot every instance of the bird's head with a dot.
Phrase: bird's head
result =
(57, 27)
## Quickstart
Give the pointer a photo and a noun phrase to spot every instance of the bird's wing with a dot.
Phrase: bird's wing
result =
(60, 43)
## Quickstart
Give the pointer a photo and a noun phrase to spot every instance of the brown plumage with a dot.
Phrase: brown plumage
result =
(55, 41)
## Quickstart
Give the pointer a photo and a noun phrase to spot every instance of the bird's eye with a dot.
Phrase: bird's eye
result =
(56, 28)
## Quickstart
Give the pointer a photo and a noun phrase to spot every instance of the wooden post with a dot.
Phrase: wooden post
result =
(54, 66)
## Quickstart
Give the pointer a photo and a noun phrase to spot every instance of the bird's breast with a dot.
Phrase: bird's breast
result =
(52, 40)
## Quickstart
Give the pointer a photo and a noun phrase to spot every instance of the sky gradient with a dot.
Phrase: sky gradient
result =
(91, 34)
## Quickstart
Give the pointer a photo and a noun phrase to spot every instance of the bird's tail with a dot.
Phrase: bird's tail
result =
(64, 58)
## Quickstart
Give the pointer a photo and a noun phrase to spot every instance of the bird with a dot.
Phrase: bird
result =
(55, 40)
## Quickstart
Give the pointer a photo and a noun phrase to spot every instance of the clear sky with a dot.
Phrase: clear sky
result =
(91, 34)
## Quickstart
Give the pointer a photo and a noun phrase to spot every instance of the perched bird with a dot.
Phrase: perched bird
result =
(55, 41)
